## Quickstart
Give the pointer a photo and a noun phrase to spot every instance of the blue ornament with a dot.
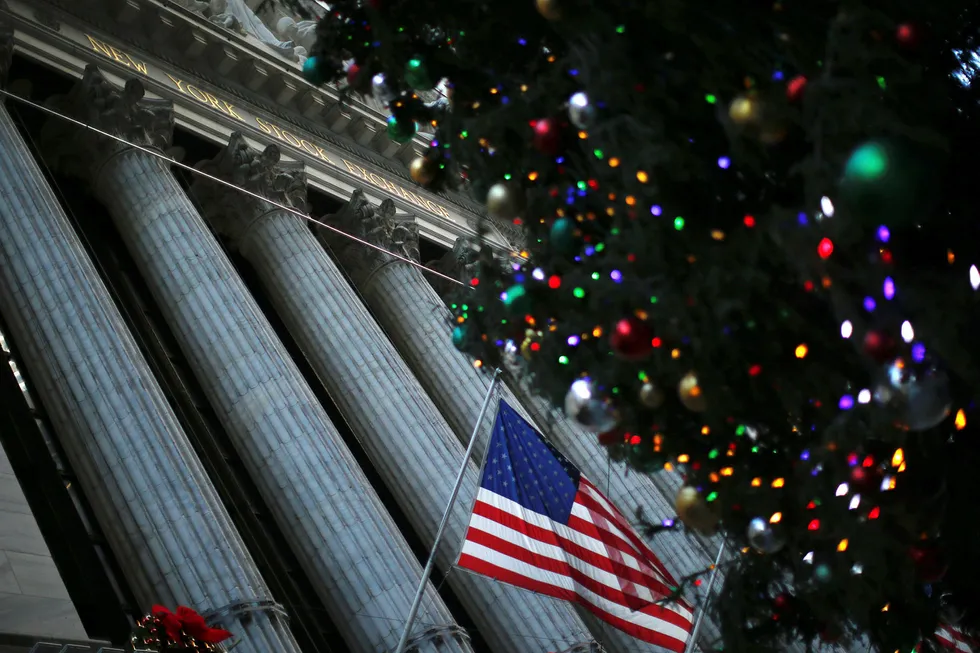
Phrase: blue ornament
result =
(459, 336)
(313, 72)
(563, 235)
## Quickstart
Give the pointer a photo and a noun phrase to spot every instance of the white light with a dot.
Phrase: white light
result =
(887, 483)
(846, 329)
(827, 206)
(808, 558)
(842, 489)
(538, 274)
(908, 333)
(579, 99)
(581, 389)
(864, 397)
(857, 569)
(378, 79)
(974, 277)
(855, 502)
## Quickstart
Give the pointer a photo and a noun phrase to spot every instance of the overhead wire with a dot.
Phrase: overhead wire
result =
(228, 184)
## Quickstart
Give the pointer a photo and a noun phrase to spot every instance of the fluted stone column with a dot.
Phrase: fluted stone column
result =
(349, 547)
(402, 432)
(418, 321)
(160, 513)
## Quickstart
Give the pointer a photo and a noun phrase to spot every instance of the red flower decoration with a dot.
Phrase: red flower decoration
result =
(196, 627)
(189, 622)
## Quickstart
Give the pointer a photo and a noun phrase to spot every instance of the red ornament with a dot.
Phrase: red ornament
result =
(352, 73)
(865, 479)
(613, 437)
(880, 346)
(929, 561)
(907, 35)
(794, 90)
(631, 338)
(547, 136)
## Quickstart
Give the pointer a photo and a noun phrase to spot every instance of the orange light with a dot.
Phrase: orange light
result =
(642, 177)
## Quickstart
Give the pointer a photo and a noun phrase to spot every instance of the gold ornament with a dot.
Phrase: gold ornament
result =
(695, 511)
(550, 9)
(651, 396)
(505, 201)
(423, 171)
(691, 395)
(743, 110)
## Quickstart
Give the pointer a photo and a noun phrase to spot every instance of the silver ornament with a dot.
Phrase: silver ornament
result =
(380, 90)
(651, 396)
(582, 403)
(918, 392)
(762, 537)
(581, 111)
(505, 201)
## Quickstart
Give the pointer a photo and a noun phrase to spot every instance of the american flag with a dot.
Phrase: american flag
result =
(539, 524)
(952, 639)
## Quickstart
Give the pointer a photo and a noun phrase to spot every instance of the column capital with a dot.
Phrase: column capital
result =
(460, 262)
(378, 226)
(232, 212)
(123, 112)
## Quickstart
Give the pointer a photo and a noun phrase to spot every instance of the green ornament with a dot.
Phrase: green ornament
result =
(889, 182)
(313, 72)
(401, 131)
(459, 336)
(517, 299)
(563, 235)
(417, 75)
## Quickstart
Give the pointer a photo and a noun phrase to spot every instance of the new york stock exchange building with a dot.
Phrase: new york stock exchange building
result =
(212, 401)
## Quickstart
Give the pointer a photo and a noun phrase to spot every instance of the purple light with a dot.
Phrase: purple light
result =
(656, 210)
(918, 352)
(846, 402)
(573, 340)
(884, 234)
(573, 72)
(616, 276)
(888, 288)
(503, 296)
(515, 266)
(805, 455)
(435, 143)
(500, 343)
(777, 76)
(724, 162)
(522, 41)
(589, 250)
(668, 523)
(869, 304)
(802, 219)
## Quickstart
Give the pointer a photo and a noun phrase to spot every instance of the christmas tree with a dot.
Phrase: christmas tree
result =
(182, 631)
(750, 256)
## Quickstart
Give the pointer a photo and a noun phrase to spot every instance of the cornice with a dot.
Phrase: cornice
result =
(227, 61)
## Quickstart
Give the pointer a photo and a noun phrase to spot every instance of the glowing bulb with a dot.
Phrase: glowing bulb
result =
(864, 397)
(846, 329)
(898, 457)
(855, 502)
(827, 206)
(974, 277)
(908, 333)
(776, 518)
(842, 489)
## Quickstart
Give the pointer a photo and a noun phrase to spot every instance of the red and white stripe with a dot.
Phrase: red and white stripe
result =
(953, 639)
(597, 560)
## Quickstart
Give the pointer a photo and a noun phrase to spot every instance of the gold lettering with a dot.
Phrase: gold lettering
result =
(215, 102)
(351, 167)
(138, 65)
(277, 131)
(263, 125)
(119, 57)
(179, 83)
(308, 146)
(230, 110)
(376, 180)
(197, 94)
(295, 142)
(99, 47)
(322, 154)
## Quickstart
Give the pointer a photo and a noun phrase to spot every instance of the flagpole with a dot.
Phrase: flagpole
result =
(431, 562)
(692, 642)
